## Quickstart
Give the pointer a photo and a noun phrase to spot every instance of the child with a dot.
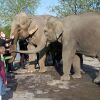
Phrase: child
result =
(6, 43)
(3, 80)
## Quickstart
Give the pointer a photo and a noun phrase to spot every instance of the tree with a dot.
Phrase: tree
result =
(6, 30)
(66, 7)
(9, 8)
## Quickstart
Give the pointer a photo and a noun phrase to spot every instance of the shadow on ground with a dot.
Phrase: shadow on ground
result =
(12, 85)
(47, 86)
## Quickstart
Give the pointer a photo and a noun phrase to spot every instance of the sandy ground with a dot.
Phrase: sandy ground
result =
(47, 86)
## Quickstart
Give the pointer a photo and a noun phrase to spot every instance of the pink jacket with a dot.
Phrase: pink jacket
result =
(2, 71)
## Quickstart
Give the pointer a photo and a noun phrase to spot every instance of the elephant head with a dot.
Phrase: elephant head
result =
(52, 32)
(19, 30)
(20, 26)
(23, 27)
(53, 29)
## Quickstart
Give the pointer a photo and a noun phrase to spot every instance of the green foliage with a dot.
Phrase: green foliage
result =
(6, 30)
(66, 7)
(9, 8)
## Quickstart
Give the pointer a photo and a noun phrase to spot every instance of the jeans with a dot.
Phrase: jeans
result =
(2, 87)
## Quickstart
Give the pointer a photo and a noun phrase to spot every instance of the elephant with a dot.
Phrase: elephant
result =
(76, 37)
(32, 28)
(23, 27)
(80, 34)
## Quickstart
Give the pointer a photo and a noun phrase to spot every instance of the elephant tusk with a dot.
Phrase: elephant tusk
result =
(33, 30)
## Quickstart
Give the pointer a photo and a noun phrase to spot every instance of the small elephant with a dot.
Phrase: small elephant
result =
(32, 28)
(80, 34)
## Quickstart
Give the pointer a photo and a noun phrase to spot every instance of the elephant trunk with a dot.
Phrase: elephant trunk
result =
(36, 50)
(13, 47)
(40, 46)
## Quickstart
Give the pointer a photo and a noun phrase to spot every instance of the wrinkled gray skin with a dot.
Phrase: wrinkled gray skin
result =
(23, 26)
(80, 33)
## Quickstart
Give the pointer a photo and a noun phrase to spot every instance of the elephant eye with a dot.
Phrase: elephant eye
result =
(45, 30)
(23, 23)
(19, 29)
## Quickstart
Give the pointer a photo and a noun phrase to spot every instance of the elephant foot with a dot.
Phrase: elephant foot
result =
(77, 76)
(97, 79)
(31, 69)
(21, 71)
(65, 77)
(27, 66)
(42, 70)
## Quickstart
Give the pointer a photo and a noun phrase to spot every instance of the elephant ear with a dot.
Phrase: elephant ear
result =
(32, 29)
(58, 28)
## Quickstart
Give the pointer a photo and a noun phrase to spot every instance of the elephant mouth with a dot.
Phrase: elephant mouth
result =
(22, 37)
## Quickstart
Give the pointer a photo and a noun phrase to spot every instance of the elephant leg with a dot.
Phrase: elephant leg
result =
(68, 54)
(31, 66)
(32, 58)
(97, 79)
(76, 67)
(42, 64)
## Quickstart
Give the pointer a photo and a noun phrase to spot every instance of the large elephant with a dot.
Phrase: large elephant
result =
(76, 37)
(80, 33)
(32, 28)
(24, 27)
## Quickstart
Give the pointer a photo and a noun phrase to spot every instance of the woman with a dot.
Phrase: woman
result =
(3, 79)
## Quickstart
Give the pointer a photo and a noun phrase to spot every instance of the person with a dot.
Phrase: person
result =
(3, 79)
(23, 57)
(6, 43)
(2, 39)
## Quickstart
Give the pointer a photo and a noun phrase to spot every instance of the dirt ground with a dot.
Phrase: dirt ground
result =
(47, 86)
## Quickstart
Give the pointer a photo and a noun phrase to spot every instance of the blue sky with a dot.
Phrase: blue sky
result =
(44, 7)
